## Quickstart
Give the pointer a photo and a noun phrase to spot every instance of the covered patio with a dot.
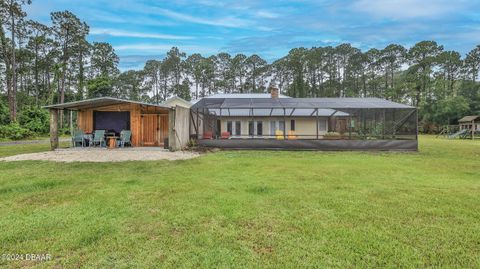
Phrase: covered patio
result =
(148, 125)
(305, 123)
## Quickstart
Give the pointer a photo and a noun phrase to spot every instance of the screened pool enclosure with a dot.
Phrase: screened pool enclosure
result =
(304, 123)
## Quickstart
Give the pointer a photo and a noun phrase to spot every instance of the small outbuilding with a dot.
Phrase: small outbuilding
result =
(150, 124)
(470, 123)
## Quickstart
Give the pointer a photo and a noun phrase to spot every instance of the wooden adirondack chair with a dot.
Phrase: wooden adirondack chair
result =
(78, 137)
(99, 138)
(125, 138)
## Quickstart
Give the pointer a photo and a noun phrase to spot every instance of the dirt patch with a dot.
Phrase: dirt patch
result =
(103, 155)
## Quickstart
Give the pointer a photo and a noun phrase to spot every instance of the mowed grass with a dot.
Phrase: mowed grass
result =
(249, 209)
(9, 150)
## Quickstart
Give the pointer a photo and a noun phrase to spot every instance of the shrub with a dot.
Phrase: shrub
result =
(35, 119)
(14, 131)
(4, 114)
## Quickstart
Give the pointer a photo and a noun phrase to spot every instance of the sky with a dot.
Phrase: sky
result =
(140, 30)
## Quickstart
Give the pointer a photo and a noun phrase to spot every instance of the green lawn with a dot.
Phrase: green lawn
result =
(249, 209)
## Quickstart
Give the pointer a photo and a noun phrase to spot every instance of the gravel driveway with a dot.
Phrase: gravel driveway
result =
(104, 155)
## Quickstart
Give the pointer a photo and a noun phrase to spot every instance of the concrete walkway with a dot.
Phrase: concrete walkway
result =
(103, 155)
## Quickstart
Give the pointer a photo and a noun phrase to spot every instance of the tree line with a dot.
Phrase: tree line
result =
(44, 64)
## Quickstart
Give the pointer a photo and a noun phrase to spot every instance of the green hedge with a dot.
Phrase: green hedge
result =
(14, 131)
(34, 119)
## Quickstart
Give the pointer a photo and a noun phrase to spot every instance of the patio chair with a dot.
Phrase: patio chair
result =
(78, 137)
(125, 138)
(99, 138)
(225, 135)
(279, 135)
(291, 135)
(207, 135)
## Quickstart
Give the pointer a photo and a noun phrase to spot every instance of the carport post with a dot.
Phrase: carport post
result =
(53, 129)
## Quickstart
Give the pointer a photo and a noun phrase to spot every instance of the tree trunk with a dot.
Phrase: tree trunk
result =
(53, 129)
(12, 98)
(37, 88)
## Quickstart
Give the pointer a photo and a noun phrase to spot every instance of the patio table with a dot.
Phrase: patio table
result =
(112, 141)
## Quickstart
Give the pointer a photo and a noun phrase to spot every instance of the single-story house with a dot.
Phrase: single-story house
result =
(274, 121)
(150, 124)
(252, 121)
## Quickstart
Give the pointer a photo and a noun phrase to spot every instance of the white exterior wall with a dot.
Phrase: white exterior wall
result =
(304, 127)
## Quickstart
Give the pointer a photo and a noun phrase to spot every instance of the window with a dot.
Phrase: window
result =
(322, 125)
(255, 128)
(229, 127)
(238, 128)
(259, 128)
(273, 127)
(281, 126)
(292, 125)
(276, 126)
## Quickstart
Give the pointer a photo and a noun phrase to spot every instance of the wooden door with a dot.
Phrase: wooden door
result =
(149, 130)
(162, 128)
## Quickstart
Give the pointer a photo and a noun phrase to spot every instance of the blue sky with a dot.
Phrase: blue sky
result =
(146, 29)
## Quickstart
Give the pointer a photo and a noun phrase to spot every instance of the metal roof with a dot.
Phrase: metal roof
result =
(322, 103)
(277, 112)
(468, 118)
(245, 95)
(98, 102)
(171, 100)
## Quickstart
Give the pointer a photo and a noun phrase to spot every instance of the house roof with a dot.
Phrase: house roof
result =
(244, 95)
(98, 102)
(277, 112)
(468, 118)
(296, 103)
(179, 99)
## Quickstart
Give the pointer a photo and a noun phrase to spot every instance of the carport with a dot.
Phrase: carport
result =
(150, 124)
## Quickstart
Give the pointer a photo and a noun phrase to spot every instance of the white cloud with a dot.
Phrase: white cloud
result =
(122, 33)
(158, 48)
(267, 14)
(406, 9)
(227, 21)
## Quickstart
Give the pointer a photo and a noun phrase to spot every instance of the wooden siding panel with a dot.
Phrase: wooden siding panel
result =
(85, 121)
(163, 128)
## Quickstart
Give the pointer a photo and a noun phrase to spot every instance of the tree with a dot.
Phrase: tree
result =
(223, 73)
(183, 90)
(193, 68)
(129, 86)
(450, 65)
(99, 87)
(296, 60)
(255, 66)
(69, 31)
(104, 61)
(173, 62)
(153, 78)
(12, 14)
(238, 72)
(472, 63)
(38, 38)
(422, 57)
(207, 68)
(393, 56)
(451, 108)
